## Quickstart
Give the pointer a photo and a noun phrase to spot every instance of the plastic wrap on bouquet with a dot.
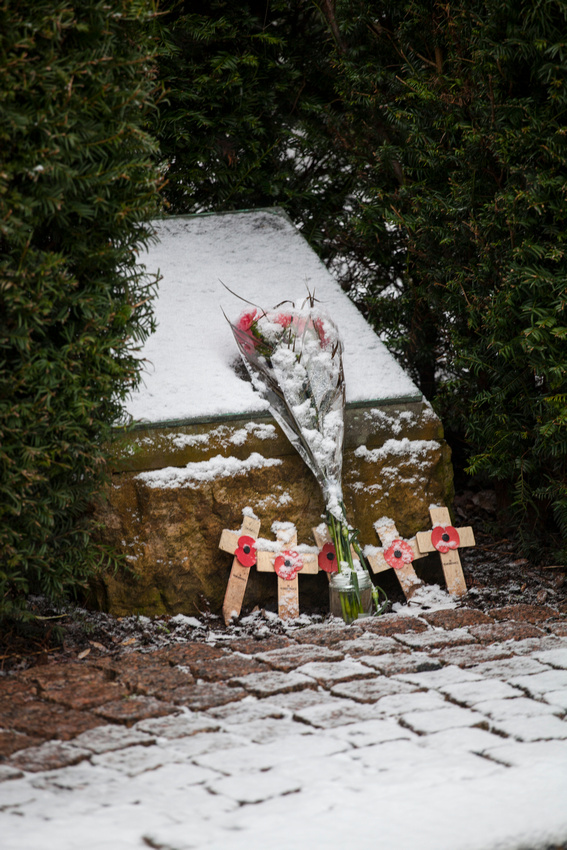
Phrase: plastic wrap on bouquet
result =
(294, 358)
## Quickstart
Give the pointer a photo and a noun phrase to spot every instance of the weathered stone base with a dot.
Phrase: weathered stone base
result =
(396, 464)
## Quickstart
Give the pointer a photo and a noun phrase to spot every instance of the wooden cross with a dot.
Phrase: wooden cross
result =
(396, 554)
(286, 562)
(447, 540)
(239, 544)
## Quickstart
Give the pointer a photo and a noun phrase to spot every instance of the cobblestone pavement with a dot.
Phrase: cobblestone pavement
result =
(439, 729)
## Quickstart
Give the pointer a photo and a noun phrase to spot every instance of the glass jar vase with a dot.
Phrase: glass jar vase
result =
(350, 595)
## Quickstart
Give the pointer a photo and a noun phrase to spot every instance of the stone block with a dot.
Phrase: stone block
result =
(371, 690)
(391, 624)
(11, 742)
(132, 709)
(43, 720)
(169, 535)
(289, 658)
(223, 669)
(172, 490)
(438, 639)
(49, 756)
(493, 632)
(456, 618)
(255, 645)
(203, 695)
(274, 682)
(392, 664)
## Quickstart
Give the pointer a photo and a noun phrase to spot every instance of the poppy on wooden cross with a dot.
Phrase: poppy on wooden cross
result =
(241, 544)
(397, 554)
(327, 558)
(284, 560)
(447, 540)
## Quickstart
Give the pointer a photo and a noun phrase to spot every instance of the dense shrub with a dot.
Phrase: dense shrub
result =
(77, 186)
(467, 101)
(427, 154)
(248, 87)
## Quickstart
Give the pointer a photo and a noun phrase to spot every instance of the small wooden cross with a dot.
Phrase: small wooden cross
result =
(396, 554)
(286, 562)
(447, 540)
(241, 545)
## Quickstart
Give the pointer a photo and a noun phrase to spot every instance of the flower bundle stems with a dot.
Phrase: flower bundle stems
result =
(353, 604)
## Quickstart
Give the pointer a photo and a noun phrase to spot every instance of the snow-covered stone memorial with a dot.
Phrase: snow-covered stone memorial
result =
(206, 453)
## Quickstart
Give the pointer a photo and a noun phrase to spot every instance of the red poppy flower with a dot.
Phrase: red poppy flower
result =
(445, 538)
(328, 558)
(288, 564)
(245, 551)
(398, 554)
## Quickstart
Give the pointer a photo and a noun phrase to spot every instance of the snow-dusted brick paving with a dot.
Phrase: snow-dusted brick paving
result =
(426, 736)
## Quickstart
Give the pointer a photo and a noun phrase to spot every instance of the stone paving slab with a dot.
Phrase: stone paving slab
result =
(507, 668)
(370, 644)
(275, 682)
(200, 696)
(437, 638)
(106, 738)
(337, 712)
(390, 624)
(400, 662)
(129, 711)
(469, 693)
(492, 632)
(205, 746)
(371, 690)
(48, 756)
(447, 717)
(290, 658)
(502, 709)
(327, 673)
(558, 699)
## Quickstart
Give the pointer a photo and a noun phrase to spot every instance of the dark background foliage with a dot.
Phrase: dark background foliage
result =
(77, 185)
(420, 146)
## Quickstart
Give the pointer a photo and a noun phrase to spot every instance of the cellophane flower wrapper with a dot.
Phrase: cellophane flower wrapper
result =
(294, 359)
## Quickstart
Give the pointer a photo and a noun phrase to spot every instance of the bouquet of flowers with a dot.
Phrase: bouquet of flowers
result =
(294, 358)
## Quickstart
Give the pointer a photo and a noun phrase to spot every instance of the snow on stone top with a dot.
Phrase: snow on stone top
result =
(189, 371)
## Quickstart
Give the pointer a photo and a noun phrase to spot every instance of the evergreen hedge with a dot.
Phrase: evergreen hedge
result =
(463, 108)
(78, 184)
(248, 88)
(427, 162)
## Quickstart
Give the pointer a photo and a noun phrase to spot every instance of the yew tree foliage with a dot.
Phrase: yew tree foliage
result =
(421, 146)
(248, 87)
(77, 186)
(464, 105)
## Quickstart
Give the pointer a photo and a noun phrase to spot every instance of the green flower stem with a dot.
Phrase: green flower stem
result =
(344, 542)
